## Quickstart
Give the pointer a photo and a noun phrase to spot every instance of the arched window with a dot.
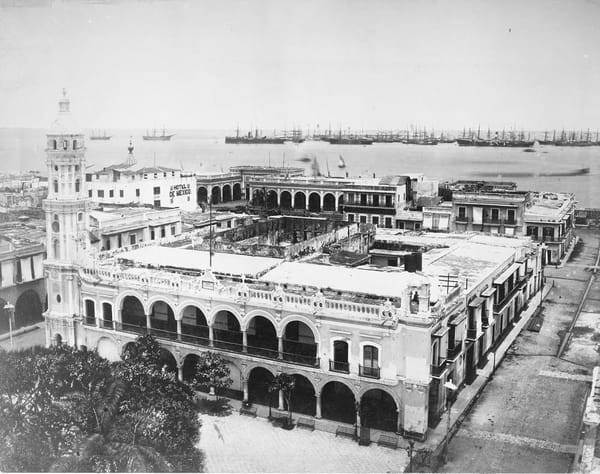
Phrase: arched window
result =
(370, 367)
(77, 185)
(54, 145)
(414, 303)
(56, 249)
(55, 185)
(80, 216)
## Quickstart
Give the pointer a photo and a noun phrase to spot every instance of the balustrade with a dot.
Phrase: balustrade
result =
(339, 366)
(370, 372)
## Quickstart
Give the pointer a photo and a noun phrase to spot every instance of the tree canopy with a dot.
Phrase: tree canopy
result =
(73, 411)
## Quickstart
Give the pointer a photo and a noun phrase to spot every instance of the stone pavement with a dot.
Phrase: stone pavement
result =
(528, 417)
(239, 443)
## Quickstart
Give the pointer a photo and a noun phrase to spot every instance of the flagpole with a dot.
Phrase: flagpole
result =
(210, 252)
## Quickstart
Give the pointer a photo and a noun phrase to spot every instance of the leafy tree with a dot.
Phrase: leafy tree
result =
(285, 383)
(211, 371)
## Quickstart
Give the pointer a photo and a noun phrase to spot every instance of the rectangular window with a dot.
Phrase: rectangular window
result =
(510, 215)
(111, 193)
(370, 357)
(119, 241)
(399, 225)
(363, 219)
(172, 230)
(121, 193)
(363, 199)
(375, 199)
(462, 212)
(388, 201)
(108, 244)
(88, 177)
(157, 203)
(375, 220)
(156, 189)
(90, 312)
(229, 224)
(19, 275)
(162, 231)
(131, 239)
(32, 268)
(101, 193)
(152, 234)
(495, 214)
(351, 218)
(417, 226)
(137, 193)
(89, 193)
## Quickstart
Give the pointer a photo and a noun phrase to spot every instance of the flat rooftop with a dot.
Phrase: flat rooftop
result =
(355, 280)
(112, 214)
(549, 206)
(198, 260)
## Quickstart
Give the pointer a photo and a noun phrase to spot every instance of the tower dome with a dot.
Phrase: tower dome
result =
(64, 124)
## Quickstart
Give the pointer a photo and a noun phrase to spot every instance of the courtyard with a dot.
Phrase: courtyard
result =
(239, 443)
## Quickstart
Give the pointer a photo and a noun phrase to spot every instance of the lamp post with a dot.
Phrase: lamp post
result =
(11, 314)
(450, 388)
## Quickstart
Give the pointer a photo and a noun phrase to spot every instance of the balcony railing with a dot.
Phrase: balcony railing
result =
(89, 320)
(339, 366)
(463, 219)
(371, 372)
(498, 307)
(229, 340)
(438, 369)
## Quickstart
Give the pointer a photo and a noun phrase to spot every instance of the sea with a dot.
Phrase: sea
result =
(548, 168)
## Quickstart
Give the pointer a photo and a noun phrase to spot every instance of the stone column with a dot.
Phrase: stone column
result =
(245, 389)
(293, 200)
(211, 336)
(180, 372)
(318, 406)
(399, 427)
(98, 318)
(307, 199)
(244, 340)
(317, 357)
(280, 347)
(281, 407)
(148, 322)
(179, 331)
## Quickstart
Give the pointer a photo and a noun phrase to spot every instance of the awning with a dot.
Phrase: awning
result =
(489, 292)
(508, 272)
(477, 302)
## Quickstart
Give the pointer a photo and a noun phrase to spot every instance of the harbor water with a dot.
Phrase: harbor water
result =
(548, 168)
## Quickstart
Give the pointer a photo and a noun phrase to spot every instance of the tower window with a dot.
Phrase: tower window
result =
(111, 193)
(101, 193)
(76, 185)
(74, 144)
(54, 145)
(56, 249)
(121, 193)
(55, 168)
(89, 192)
(55, 226)
(76, 167)
(65, 144)
(80, 216)
(55, 185)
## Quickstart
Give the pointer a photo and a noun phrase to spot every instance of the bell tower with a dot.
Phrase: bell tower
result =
(67, 208)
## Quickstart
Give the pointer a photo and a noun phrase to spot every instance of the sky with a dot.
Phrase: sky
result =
(380, 64)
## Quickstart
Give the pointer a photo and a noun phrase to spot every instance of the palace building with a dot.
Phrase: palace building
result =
(368, 345)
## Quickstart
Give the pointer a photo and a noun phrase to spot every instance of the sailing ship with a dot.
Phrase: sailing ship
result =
(96, 136)
(156, 137)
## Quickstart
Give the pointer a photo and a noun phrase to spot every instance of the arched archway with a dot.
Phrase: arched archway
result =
(194, 327)
(258, 387)
(129, 349)
(216, 195)
(340, 202)
(189, 366)
(329, 202)
(338, 403)
(258, 197)
(237, 192)
(262, 337)
(162, 320)
(167, 361)
(314, 202)
(285, 200)
(226, 331)
(28, 309)
(133, 317)
(58, 340)
(299, 343)
(299, 200)
(303, 397)
(226, 193)
(271, 199)
(202, 196)
(4, 316)
(378, 410)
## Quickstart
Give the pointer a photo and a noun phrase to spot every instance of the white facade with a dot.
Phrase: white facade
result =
(156, 186)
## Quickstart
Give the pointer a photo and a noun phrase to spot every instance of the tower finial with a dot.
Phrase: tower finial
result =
(63, 103)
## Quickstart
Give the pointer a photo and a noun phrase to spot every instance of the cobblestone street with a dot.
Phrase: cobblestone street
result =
(528, 416)
(237, 443)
